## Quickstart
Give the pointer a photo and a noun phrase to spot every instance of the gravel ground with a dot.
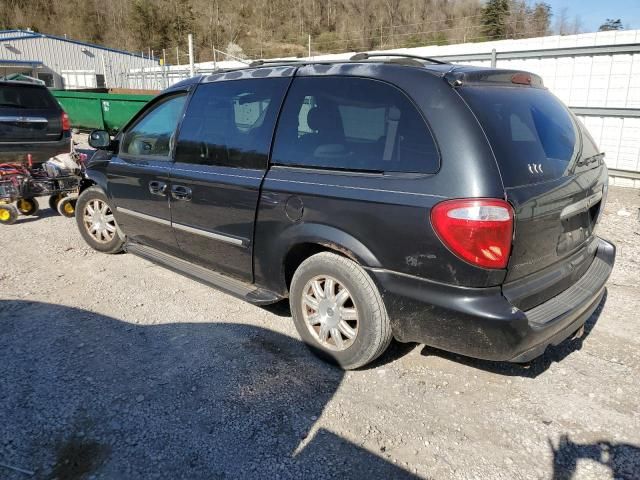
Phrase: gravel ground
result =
(115, 368)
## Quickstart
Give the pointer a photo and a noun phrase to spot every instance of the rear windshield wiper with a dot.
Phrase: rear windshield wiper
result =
(586, 161)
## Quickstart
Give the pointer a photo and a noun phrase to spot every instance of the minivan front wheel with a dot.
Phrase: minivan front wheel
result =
(97, 225)
(338, 311)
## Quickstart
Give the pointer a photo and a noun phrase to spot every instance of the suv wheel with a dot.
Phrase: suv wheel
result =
(96, 222)
(338, 311)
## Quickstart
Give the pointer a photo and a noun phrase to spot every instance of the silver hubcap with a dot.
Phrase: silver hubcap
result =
(99, 221)
(330, 313)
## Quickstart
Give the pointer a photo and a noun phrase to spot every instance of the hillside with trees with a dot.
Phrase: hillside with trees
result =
(269, 28)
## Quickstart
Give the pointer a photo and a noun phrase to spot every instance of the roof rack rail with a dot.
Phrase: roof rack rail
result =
(364, 56)
(258, 63)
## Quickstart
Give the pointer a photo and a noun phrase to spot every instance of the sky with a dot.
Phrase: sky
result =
(593, 13)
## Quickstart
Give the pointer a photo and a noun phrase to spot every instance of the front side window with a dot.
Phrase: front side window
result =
(151, 135)
(351, 123)
(231, 123)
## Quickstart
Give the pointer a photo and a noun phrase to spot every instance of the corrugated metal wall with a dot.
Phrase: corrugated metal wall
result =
(58, 55)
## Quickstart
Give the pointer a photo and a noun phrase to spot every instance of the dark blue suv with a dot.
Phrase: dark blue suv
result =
(386, 197)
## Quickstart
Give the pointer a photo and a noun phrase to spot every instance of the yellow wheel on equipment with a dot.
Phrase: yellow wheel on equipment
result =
(67, 206)
(27, 206)
(8, 214)
(53, 201)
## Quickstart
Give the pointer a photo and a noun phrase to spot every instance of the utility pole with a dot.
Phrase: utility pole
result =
(191, 66)
(164, 68)
(215, 58)
(104, 72)
(260, 40)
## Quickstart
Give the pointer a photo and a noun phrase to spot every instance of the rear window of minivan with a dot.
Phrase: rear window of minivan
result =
(533, 135)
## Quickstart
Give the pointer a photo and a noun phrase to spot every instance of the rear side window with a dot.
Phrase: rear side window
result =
(352, 123)
(231, 123)
(532, 133)
(14, 96)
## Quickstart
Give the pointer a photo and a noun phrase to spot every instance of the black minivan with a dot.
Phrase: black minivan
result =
(386, 197)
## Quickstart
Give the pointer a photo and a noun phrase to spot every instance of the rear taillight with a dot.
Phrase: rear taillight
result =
(66, 124)
(477, 230)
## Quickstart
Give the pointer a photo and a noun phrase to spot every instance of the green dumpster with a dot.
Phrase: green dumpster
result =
(106, 111)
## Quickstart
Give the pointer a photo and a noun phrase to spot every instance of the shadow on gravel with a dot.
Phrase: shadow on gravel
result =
(83, 394)
(281, 308)
(45, 212)
(395, 351)
(623, 459)
(535, 367)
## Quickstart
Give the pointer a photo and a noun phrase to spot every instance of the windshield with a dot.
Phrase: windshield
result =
(533, 135)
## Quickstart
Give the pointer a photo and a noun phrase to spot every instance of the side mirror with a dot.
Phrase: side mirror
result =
(100, 139)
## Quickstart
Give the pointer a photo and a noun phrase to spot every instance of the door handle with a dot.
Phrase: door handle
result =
(180, 192)
(158, 188)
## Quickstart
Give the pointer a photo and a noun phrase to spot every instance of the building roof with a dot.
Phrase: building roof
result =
(20, 62)
(12, 35)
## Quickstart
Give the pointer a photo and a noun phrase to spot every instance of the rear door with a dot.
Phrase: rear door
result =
(221, 158)
(139, 174)
(554, 177)
(28, 113)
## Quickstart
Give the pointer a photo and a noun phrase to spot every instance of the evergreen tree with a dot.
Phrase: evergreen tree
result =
(494, 18)
(611, 24)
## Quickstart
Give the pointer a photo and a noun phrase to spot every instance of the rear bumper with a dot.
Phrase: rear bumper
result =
(481, 322)
(40, 151)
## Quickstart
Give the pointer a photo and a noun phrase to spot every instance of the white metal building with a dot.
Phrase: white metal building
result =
(64, 63)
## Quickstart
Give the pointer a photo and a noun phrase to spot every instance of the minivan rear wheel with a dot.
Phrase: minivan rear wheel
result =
(338, 311)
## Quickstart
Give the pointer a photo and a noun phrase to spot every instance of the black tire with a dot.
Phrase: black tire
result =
(95, 194)
(373, 333)
(27, 206)
(8, 214)
(67, 207)
(53, 202)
